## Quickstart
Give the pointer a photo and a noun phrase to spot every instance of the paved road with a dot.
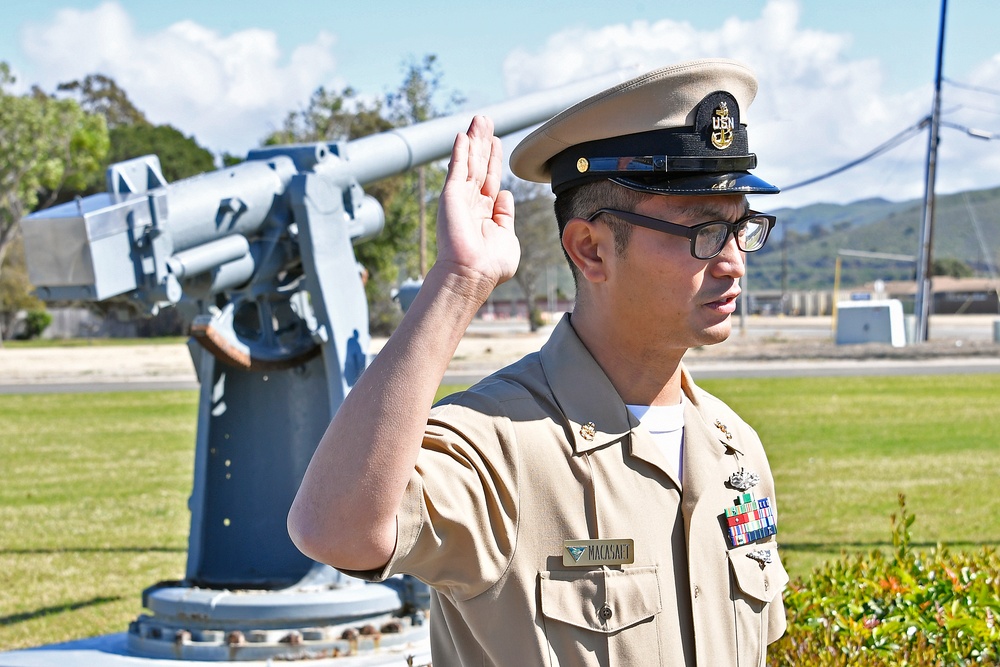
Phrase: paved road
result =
(964, 344)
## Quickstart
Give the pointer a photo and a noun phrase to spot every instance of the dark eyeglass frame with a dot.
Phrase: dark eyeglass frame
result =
(732, 228)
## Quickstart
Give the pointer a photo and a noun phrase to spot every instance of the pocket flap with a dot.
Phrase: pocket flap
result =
(761, 581)
(601, 600)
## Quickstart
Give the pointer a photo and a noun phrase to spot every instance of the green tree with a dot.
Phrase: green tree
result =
(180, 156)
(99, 94)
(132, 135)
(15, 289)
(229, 159)
(47, 145)
(331, 116)
(538, 236)
(950, 266)
(415, 102)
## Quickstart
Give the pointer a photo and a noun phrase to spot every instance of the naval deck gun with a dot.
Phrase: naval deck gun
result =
(261, 254)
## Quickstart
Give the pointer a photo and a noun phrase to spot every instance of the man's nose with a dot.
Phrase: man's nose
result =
(731, 261)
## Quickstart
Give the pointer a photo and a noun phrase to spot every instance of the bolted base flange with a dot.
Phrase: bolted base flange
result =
(349, 618)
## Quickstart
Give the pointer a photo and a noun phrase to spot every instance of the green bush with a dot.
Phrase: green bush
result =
(35, 322)
(907, 608)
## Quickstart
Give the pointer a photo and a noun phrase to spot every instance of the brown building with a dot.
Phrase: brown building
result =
(951, 296)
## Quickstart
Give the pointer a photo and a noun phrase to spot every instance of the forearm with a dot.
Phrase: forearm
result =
(345, 510)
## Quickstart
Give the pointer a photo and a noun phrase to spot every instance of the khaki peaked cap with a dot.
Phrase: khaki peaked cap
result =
(675, 130)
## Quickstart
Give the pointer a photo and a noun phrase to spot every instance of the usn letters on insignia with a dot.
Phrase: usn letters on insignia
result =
(587, 553)
(722, 126)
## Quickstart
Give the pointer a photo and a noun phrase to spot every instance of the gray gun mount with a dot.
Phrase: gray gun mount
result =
(260, 255)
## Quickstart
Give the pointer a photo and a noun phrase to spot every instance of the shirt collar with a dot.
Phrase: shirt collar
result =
(584, 393)
(596, 414)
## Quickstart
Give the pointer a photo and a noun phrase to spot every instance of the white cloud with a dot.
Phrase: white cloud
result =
(816, 109)
(227, 90)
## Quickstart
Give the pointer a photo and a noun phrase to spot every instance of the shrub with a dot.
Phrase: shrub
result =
(35, 322)
(907, 608)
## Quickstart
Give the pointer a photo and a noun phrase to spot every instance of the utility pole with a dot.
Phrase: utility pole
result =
(924, 296)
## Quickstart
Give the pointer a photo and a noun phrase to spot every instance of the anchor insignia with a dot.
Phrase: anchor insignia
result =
(723, 125)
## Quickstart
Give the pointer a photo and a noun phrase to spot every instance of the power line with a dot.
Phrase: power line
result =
(979, 236)
(971, 131)
(969, 86)
(887, 146)
(971, 107)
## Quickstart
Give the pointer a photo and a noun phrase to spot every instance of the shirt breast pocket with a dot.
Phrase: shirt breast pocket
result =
(756, 584)
(606, 617)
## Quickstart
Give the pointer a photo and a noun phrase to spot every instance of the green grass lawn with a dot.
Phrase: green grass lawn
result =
(94, 486)
(842, 449)
(93, 342)
(93, 506)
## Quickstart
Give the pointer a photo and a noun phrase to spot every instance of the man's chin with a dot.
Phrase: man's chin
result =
(718, 333)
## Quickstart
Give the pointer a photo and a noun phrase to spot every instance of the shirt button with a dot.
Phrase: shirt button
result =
(605, 613)
(697, 591)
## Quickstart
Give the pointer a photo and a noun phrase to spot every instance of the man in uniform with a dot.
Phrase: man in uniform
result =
(588, 505)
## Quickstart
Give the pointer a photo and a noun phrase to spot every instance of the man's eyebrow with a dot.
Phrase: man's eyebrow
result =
(709, 211)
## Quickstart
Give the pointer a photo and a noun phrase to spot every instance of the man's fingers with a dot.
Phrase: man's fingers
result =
(458, 168)
(480, 148)
(494, 169)
(503, 210)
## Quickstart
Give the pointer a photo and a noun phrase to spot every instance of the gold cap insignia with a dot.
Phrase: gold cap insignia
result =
(722, 127)
(588, 431)
(582, 165)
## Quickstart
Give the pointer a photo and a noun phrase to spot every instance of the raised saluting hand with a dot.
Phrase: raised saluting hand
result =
(476, 238)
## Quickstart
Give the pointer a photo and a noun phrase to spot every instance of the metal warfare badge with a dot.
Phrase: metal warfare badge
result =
(588, 553)
(744, 480)
(722, 127)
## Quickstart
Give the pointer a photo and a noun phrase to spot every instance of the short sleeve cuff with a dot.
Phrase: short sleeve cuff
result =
(409, 521)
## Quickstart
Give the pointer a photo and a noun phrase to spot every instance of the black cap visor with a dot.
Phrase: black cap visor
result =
(737, 182)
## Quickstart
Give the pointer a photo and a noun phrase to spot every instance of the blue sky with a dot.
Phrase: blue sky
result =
(836, 78)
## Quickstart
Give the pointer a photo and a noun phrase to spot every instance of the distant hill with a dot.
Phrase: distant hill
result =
(966, 227)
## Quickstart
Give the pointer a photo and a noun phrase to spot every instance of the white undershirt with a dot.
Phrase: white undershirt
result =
(666, 424)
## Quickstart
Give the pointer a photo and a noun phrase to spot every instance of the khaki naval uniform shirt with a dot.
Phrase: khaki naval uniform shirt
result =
(508, 472)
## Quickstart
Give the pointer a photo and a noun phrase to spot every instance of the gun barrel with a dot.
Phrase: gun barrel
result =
(145, 235)
(378, 156)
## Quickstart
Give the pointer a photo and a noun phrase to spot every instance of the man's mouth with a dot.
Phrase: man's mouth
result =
(724, 300)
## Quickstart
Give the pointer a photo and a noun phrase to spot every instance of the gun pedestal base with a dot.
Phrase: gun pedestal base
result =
(191, 623)
(113, 651)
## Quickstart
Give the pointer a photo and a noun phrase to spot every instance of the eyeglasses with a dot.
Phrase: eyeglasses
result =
(708, 238)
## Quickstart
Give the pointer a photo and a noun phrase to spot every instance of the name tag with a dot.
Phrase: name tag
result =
(587, 553)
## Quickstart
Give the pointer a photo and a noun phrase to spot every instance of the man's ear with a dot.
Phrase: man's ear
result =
(588, 244)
